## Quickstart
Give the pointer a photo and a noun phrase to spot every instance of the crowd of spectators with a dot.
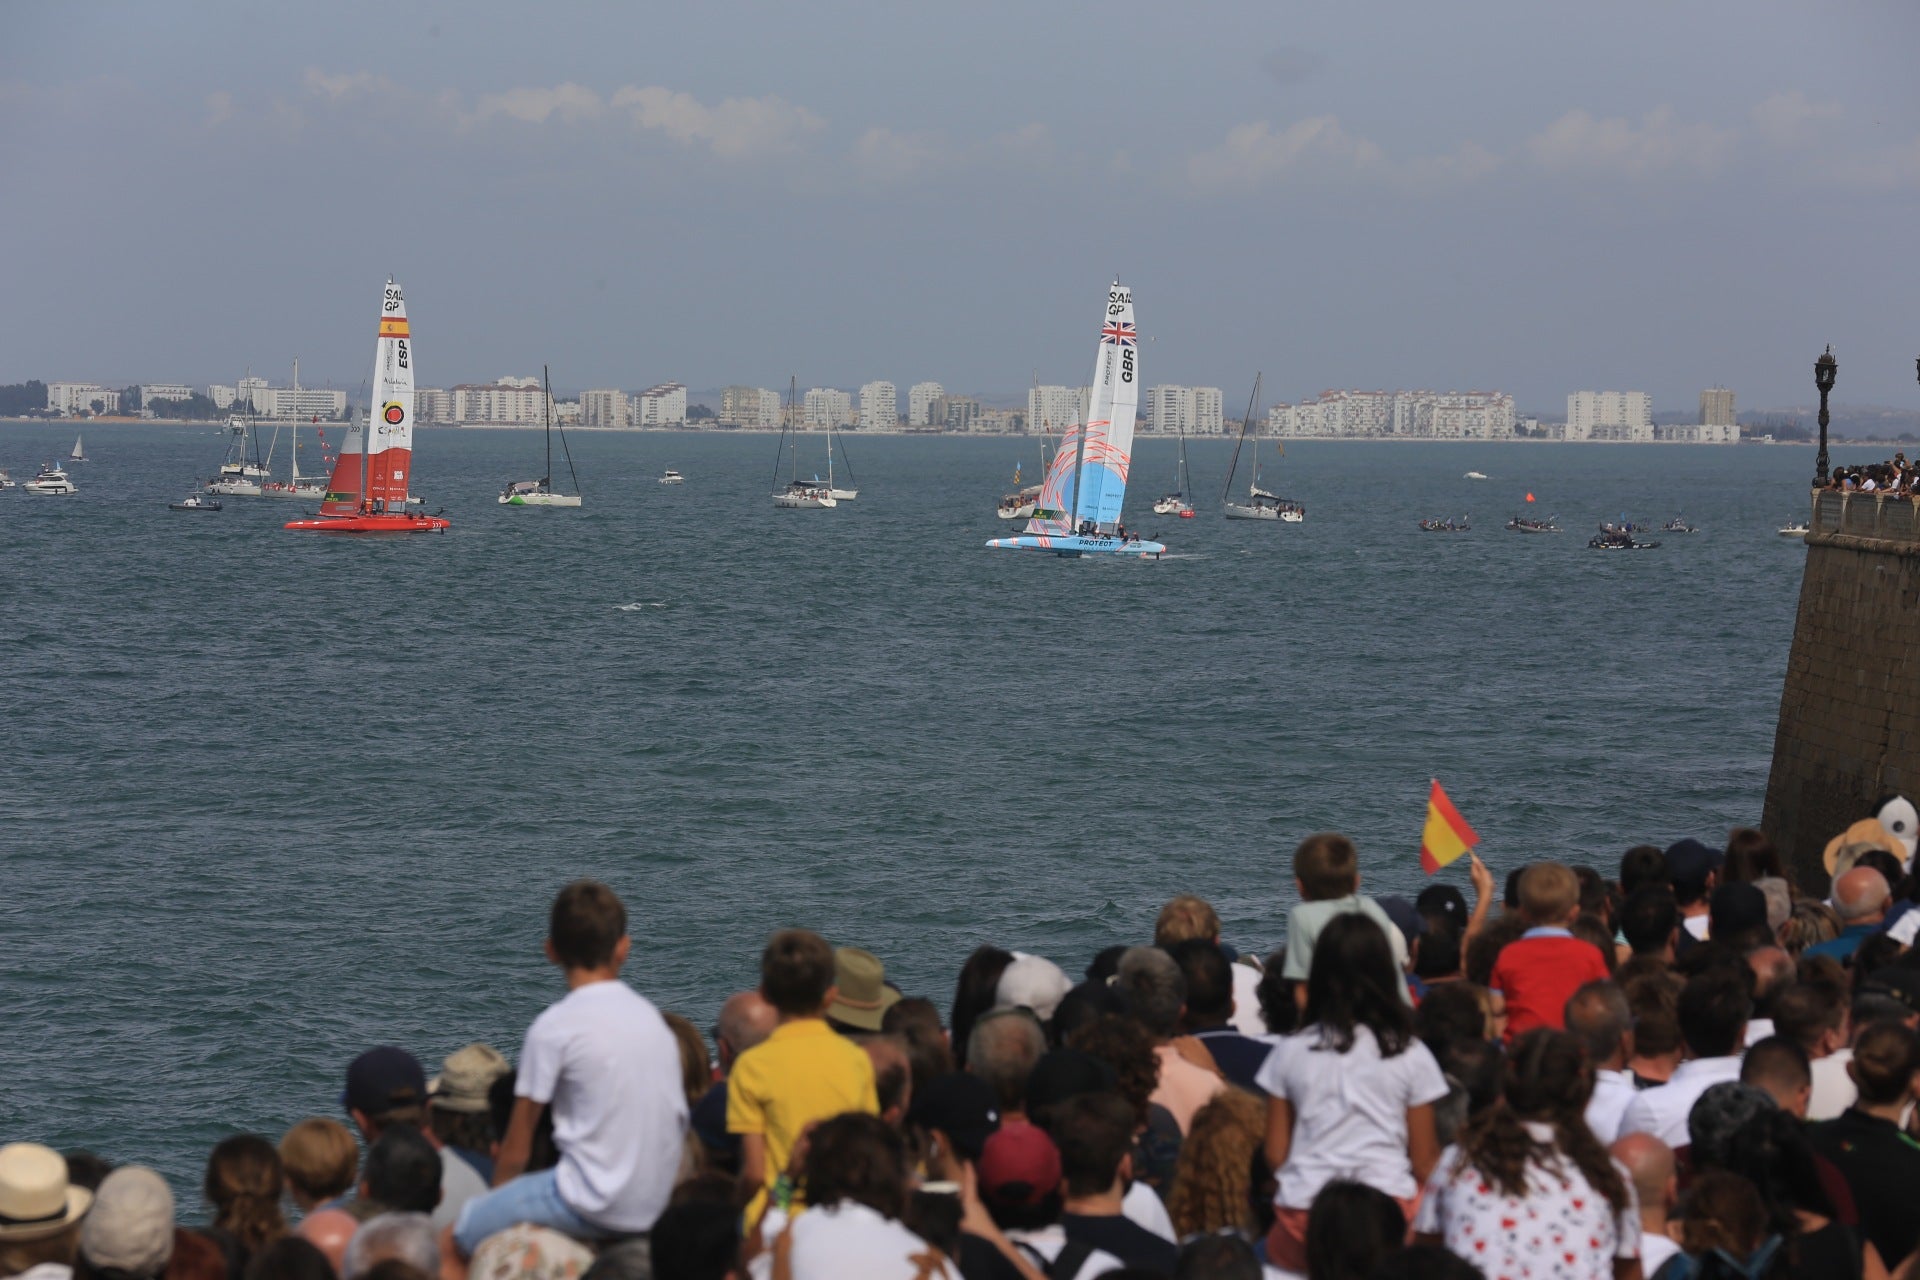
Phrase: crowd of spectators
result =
(1692, 1068)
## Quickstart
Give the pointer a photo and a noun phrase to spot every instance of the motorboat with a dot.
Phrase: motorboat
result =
(1795, 529)
(51, 480)
(1521, 524)
(1448, 525)
(1474, 475)
(670, 476)
(1618, 540)
(1174, 505)
(239, 486)
(6, 481)
(195, 501)
(1678, 525)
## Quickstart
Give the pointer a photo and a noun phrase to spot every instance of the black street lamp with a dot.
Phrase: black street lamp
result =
(1825, 370)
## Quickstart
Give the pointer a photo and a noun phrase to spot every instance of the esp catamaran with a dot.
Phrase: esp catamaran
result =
(1079, 507)
(368, 492)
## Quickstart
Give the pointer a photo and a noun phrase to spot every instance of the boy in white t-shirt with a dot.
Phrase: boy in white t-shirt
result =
(603, 1058)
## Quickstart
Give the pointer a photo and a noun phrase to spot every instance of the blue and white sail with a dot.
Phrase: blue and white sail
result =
(1106, 450)
(1087, 483)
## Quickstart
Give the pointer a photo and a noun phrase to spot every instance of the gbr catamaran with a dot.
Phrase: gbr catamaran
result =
(1079, 508)
(368, 492)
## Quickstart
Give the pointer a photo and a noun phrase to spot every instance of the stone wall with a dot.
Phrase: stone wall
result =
(1849, 729)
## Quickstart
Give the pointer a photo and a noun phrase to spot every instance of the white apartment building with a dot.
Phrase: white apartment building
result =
(878, 408)
(824, 408)
(250, 395)
(1000, 422)
(1450, 415)
(604, 407)
(661, 406)
(81, 397)
(1057, 408)
(1193, 410)
(920, 398)
(1716, 407)
(1610, 415)
(510, 400)
(221, 395)
(752, 407)
(1698, 433)
(151, 391)
(431, 404)
(300, 402)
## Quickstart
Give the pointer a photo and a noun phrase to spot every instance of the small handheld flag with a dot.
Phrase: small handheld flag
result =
(1529, 497)
(1447, 834)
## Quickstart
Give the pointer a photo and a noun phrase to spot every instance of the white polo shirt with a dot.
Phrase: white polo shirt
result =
(849, 1239)
(1662, 1110)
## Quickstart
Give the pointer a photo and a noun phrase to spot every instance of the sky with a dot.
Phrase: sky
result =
(1533, 196)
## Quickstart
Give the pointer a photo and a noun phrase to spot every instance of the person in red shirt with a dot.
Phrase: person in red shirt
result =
(1547, 964)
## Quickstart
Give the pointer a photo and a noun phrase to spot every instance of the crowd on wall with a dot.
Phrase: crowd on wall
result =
(1691, 1067)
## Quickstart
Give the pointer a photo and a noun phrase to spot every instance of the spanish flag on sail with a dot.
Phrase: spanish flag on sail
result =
(1447, 834)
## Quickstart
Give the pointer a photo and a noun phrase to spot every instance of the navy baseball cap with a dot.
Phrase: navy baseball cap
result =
(384, 1079)
(1408, 920)
(1690, 862)
(959, 1105)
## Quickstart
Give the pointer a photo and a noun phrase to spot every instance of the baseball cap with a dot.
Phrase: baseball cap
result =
(1443, 899)
(1404, 916)
(131, 1226)
(384, 1079)
(1035, 982)
(1691, 862)
(466, 1076)
(959, 1105)
(1019, 1166)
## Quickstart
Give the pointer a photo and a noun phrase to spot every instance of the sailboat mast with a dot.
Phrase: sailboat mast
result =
(546, 381)
(793, 428)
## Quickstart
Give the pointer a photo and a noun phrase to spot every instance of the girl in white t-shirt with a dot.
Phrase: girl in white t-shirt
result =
(1529, 1190)
(1351, 1095)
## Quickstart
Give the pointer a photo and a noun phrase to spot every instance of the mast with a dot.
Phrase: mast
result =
(1226, 490)
(546, 381)
(793, 439)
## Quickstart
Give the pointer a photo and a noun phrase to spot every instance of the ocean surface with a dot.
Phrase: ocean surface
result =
(268, 799)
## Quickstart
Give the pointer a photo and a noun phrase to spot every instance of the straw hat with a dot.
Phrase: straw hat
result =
(1868, 832)
(466, 1077)
(863, 996)
(35, 1199)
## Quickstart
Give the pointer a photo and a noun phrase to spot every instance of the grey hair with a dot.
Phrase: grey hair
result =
(1779, 900)
(406, 1236)
(1001, 1051)
(1152, 988)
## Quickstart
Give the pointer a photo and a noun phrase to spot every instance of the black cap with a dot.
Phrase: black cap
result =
(1443, 899)
(1404, 916)
(959, 1105)
(385, 1079)
(1735, 908)
(1690, 862)
(1067, 1073)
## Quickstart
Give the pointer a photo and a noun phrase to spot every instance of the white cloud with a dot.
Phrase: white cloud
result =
(1791, 119)
(1253, 152)
(572, 103)
(1581, 142)
(735, 129)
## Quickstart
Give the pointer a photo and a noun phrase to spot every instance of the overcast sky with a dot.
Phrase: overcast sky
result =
(1536, 196)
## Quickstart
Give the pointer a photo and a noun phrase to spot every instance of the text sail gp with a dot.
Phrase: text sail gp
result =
(1079, 508)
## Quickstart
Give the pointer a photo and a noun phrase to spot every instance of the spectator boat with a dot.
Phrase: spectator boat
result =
(51, 480)
(670, 476)
(798, 494)
(1678, 525)
(541, 493)
(1261, 504)
(1078, 509)
(195, 501)
(1521, 524)
(297, 486)
(1474, 475)
(1618, 537)
(1175, 503)
(1020, 504)
(369, 489)
(6, 481)
(1795, 529)
(1448, 525)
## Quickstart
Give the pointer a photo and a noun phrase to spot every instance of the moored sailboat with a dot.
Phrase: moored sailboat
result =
(541, 493)
(368, 491)
(297, 486)
(1176, 503)
(800, 495)
(1261, 504)
(1086, 487)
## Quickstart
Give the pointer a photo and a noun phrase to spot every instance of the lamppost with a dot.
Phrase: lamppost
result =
(1825, 370)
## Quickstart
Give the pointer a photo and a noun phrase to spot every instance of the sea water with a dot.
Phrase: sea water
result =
(270, 798)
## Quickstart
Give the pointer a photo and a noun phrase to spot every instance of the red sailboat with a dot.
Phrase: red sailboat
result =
(368, 492)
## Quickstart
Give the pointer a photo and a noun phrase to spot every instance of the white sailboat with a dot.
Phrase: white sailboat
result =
(296, 486)
(1261, 504)
(840, 494)
(76, 455)
(800, 495)
(541, 493)
(1176, 503)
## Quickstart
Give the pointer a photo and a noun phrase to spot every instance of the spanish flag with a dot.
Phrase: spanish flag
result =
(1447, 834)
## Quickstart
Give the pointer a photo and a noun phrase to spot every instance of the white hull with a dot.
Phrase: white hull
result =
(845, 495)
(1234, 511)
(248, 472)
(1171, 506)
(817, 501)
(1293, 517)
(313, 492)
(539, 498)
(50, 487)
(673, 477)
(236, 488)
(1791, 531)
(1024, 511)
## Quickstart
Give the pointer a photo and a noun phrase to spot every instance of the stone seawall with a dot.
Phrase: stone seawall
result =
(1849, 729)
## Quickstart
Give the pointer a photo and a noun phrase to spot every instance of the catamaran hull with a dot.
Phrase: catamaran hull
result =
(540, 500)
(1073, 544)
(411, 522)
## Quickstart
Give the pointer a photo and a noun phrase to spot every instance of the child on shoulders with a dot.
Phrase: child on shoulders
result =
(1326, 872)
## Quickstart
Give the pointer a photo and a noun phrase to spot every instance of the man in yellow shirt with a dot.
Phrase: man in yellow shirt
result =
(802, 1073)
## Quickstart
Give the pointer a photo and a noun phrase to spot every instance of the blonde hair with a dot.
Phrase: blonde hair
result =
(1548, 893)
(320, 1158)
(1184, 919)
(1214, 1176)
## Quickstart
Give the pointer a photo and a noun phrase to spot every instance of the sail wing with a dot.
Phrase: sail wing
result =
(1056, 491)
(391, 443)
(343, 490)
(1107, 453)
